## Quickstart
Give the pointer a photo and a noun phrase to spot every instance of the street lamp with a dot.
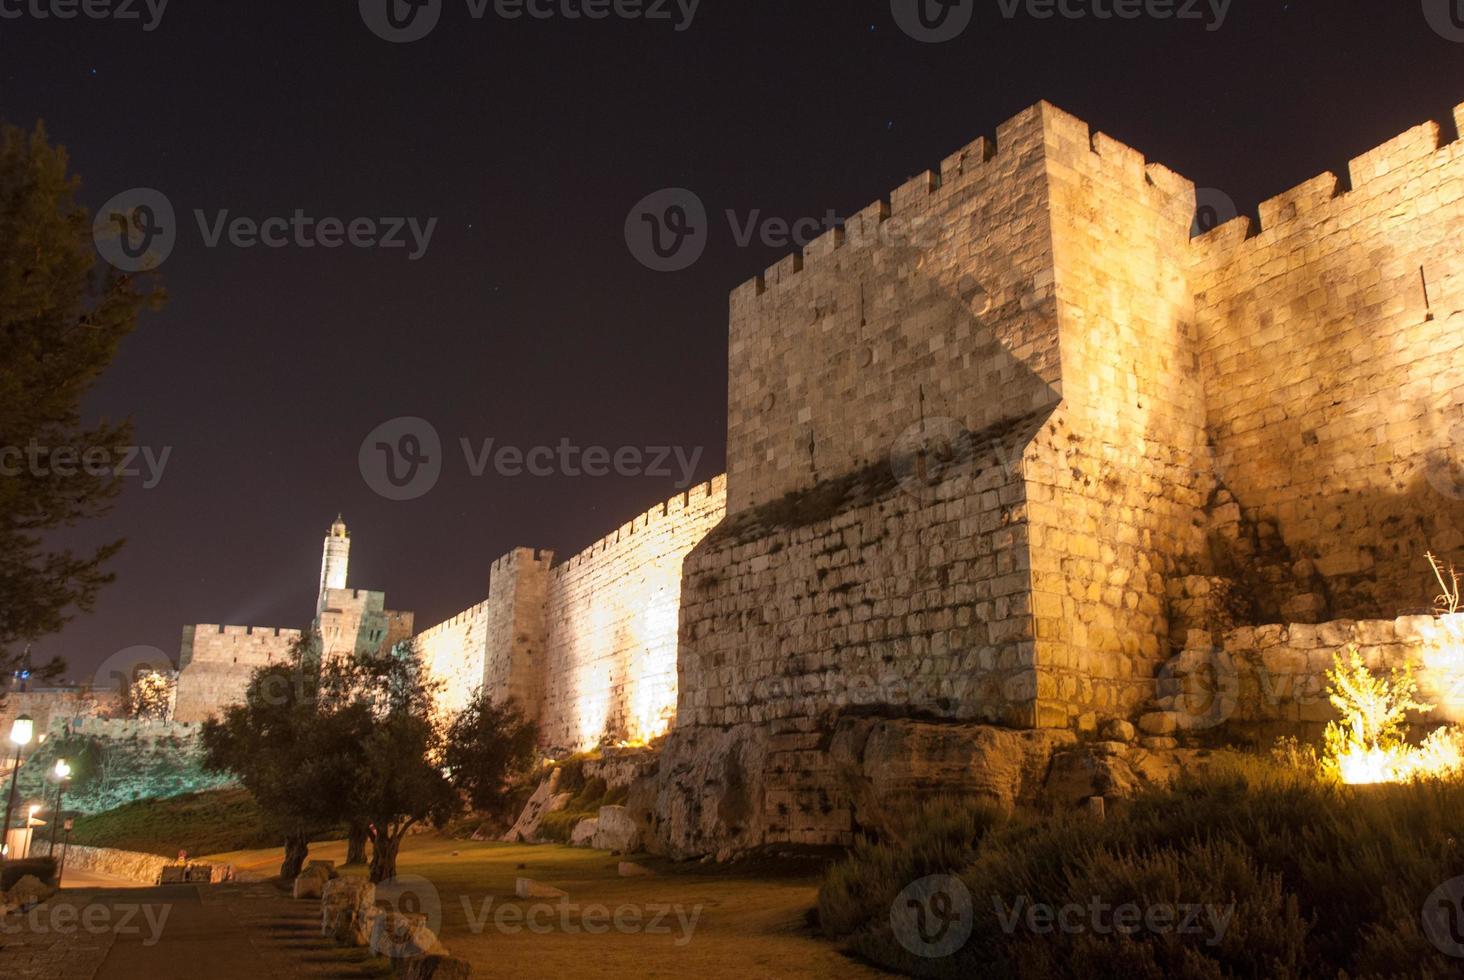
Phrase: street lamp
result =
(63, 773)
(20, 736)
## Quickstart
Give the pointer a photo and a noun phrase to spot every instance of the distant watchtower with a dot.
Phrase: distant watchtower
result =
(334, 560)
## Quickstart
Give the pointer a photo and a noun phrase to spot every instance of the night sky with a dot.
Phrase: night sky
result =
(529, 320)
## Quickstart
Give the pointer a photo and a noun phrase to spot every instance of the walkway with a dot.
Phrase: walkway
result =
(175, 932)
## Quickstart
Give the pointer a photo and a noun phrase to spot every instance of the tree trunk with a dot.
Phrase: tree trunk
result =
(384, 856)
(297, 849)
(356, 843)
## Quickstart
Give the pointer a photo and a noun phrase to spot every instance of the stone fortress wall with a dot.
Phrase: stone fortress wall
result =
(1104, 435)
(215, 662)
(586, 647)
(1333, 338)
(1011, 447)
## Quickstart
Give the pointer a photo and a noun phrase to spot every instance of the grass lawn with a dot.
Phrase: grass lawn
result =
(198, 823)
(740, 925)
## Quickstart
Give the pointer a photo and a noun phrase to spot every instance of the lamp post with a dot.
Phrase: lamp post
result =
(63, 773)
(20, 736)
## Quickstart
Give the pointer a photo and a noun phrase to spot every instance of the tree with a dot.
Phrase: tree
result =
(62, 314)
(149, 696)
(275, 745)
(487, 744)
(384, 706)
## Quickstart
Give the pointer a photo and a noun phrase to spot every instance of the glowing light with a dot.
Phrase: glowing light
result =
(22, 730)
(1368, 745)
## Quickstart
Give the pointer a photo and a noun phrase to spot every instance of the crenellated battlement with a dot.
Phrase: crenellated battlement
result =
(910, 214)
(671, 510)
(270, 632)
(1370, 174)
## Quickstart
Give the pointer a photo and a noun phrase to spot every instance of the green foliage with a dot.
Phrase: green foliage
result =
(62, 314)
(214, 822)
(589, 796)
(941, 837)
(1321, 879)
(150, 695)
(488, 744)
(108, 772)
(273, 745)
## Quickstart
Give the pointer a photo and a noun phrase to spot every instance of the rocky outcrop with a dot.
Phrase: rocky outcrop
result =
(583, 834)
(720, 792)
(546, 800)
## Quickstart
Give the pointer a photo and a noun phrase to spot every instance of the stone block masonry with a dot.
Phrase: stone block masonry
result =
(215, 663)
(610, 626)
(1332, 336)
(1135, 414)
(586, 647)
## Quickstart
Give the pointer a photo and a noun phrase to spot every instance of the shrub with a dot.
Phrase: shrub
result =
(1291, 877)
(940, 837)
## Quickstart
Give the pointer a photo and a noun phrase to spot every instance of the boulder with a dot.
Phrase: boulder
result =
(546, 800)
(311, 882)
(329, 867)
(1159, 723)
(529, 888)
(891, 764)
(434, 966)
(629, 869)
(398, 935)
(29, 891)
(348, 911)
(584, 832)
(616, 830)
(1118, 730)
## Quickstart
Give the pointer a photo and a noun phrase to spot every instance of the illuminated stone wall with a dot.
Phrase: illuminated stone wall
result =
(610, 621)
(587, 647)
(514, 656)
(1265, 681)
(455, 652)
(51, 707)
(1335, 402)
(1116, 483)
(1161, 433)
(215, 663)
(353, 622)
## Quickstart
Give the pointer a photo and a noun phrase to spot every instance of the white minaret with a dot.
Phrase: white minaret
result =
(334, 561)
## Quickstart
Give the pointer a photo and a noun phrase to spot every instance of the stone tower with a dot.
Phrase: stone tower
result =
(334, 561)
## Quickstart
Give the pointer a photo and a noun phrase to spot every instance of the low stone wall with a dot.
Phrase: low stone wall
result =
(1264, 681)
(132, 865)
